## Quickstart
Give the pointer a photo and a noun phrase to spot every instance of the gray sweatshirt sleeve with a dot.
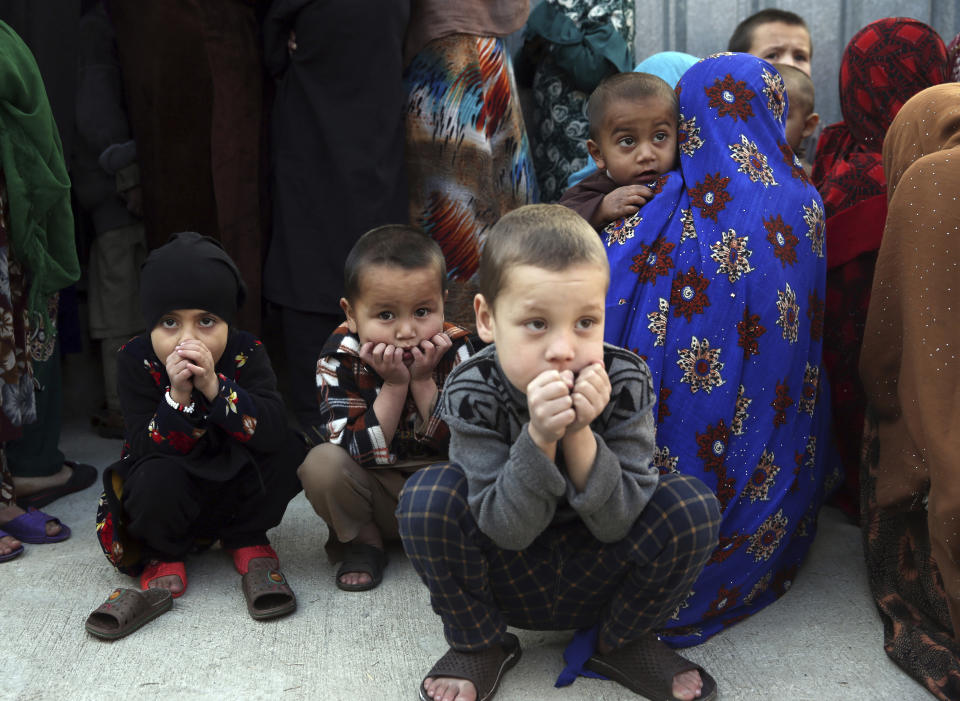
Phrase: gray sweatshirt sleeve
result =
(622, 479)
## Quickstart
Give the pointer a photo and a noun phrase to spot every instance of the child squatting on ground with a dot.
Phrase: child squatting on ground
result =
(379, 377)
(549, 514)
(633, 141)
(208, 454)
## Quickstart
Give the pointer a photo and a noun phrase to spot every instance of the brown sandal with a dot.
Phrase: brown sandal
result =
(267, 593)
(484, 668)
(647, 667)
(127, 610)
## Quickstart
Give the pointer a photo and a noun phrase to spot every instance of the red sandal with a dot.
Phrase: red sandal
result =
(163, 569)
(242, 556)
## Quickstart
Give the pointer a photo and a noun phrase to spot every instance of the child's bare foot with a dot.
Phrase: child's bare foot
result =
(11, 512)
(164, 575)
(8, 544)
(447, 689)
(368, 535)
(25, 486)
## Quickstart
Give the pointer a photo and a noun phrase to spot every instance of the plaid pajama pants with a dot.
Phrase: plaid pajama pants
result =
(566, 578)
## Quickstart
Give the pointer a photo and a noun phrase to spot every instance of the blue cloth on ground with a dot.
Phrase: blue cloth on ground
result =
(576, 654)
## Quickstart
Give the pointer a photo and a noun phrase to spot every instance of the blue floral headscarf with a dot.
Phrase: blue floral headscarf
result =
(718, 282)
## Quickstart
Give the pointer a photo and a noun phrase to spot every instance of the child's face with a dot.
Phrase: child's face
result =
(397, 307)
(637, 141)
(545, 320)
(796, 124)
(778, 42)
(196, 324)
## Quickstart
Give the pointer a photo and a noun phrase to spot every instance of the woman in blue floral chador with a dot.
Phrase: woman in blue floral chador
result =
(718, 282)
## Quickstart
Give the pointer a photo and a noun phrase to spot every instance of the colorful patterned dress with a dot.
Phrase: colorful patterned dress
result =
(719, 283)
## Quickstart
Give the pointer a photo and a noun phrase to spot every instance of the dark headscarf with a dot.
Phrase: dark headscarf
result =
(190, 271)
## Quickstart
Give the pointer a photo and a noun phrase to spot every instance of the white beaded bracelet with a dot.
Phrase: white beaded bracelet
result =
(179, 407)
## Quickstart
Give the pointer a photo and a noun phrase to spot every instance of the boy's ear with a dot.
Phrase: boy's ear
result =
(813, 119)
(484, 314)
(594, 150)
(348, 310)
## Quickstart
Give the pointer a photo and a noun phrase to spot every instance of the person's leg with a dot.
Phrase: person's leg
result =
(661, 558)
(162, 502)
(35, 459)
(357, 504)
(304, 334)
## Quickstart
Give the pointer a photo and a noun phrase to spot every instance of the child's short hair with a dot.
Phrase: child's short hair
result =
(393, 245)
(799, 87)
(548, 236)
(190, 271)
(742, 38)
(626, 86)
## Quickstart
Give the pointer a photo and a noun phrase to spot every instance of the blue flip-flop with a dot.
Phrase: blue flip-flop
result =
(16, 553)
(31, 527)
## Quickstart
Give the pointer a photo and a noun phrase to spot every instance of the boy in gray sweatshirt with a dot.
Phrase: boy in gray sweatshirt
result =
(550, 514)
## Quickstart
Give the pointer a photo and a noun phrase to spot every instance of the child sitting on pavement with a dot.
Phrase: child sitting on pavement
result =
(633, 141)
(550, 514)
(208, 453)
(379, 377)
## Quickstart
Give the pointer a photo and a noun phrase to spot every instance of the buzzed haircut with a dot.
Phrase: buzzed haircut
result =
(548, 236)
(392, 245)
(742, 38)
(626, 86)
(800, 92)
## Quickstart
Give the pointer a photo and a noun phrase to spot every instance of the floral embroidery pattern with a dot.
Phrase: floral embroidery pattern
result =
(781, 403)
(663, 410)
(766, 539)
(713, 445)
(154, 370)
(780, 235)
(726, 600)
(701, 366)
(653, 261)
(687, 295)
(816, 226)
(752, 162)
(686, 219)
(740, 414)
(791, 159)
(658, 322)
(240, 359)
(731, 98)
(688, 136)
(761, 586)
(749, 329)
(727, 546)
(811, 383)
(758, 488)
(711, 195)
(774, 89)
(789, 320)
(619, 230)
(732, 255)
(663, 461)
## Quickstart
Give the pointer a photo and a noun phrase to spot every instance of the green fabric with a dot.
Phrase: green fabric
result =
(40, 217)
(588, 54)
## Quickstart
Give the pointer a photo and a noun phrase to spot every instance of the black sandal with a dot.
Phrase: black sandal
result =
(359, 557)
(484, 668)
(647, 667)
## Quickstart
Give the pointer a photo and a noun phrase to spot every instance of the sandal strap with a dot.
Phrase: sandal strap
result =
(483, 668)
(243, 556)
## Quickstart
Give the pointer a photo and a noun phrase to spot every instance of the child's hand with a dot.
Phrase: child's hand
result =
(386, 361)
(550, 405)
(427, 355)
(591, 394)
(201, 366)
(622, 202)
(181, 377)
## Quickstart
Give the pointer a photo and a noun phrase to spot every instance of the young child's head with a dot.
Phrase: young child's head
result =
(633, 127)
(395, 281)
(779, 36)
(190, 289)
(543, 285)
(801, 119)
